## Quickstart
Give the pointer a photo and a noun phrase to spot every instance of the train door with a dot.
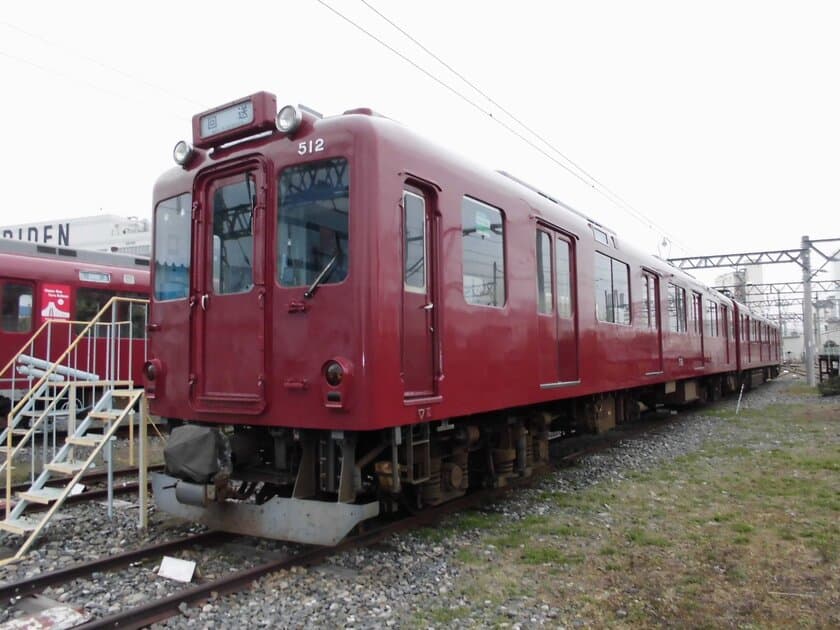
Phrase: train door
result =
(228, 303)
(418, 311)
(557, 348)
(699, 328)
(724, 329)
(651, 318)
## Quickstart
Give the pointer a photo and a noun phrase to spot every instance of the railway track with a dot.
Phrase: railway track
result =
(573, 449)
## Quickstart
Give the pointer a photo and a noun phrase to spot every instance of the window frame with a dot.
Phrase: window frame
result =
(278, 176)
(21, 284)
(545, 303)
(679, 316)
(503, 222)
(154, 262)
(611, 306)
(406, 286)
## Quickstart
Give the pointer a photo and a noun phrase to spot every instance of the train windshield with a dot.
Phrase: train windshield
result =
(312, 223)
(172, 248)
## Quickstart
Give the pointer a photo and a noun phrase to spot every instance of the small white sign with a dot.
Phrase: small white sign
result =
(177, 569)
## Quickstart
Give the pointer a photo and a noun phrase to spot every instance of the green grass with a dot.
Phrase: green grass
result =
(700, 541)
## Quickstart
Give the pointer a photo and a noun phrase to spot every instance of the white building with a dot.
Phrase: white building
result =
(105, 233)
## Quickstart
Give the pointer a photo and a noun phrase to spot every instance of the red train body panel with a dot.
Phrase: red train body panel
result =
(479, 358)
(39, 282)
(377, 318)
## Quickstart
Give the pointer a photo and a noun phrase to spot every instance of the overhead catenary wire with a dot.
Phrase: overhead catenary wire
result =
(567, 164)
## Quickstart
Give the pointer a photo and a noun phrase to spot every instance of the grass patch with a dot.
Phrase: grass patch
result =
(742, 532)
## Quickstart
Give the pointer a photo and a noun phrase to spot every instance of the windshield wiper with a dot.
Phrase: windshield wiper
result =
(326, 271)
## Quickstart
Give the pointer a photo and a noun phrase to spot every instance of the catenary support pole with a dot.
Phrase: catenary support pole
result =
(807, 314)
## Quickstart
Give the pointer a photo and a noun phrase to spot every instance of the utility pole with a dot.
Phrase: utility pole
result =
(807, 314)
(781, 321)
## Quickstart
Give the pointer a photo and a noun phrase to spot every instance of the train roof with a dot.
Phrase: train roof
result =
(69, 254)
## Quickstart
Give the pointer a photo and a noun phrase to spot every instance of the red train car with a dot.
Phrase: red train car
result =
(41, 282)
(346, 316)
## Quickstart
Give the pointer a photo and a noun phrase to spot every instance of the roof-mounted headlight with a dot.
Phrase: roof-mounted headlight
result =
(289, 119)
(182, 152)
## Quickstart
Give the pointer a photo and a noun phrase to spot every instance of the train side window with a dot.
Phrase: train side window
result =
(564, 278)
(676, 309)
(414, 219)
(649, 306)
(88, 303)
(17, 307)
(697, 313)
(712, 329)
(600, 236)
(134, 312)
(313, 225)
(483, 241)
(173, 245)
(612, 290)
(545, 299)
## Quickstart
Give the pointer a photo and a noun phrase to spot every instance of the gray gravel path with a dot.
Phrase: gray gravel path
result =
(362, 588)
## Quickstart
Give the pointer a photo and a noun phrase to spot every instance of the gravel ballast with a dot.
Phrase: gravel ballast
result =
(390, 584)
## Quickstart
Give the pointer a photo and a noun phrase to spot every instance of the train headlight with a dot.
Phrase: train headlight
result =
(288, 119)
(334, 373)
(182, 152)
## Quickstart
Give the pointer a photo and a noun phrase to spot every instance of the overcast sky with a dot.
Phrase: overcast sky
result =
(719, 122)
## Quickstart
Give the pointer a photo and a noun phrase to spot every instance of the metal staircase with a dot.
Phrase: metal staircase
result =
(86, 391)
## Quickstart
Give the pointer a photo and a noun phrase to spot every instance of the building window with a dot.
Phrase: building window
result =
(313, 227)
(676, 309)
(649, 305)
(483, 240)
(17, 307)
(612, 290)
(173, 241)
(563, 255)
(545, 298)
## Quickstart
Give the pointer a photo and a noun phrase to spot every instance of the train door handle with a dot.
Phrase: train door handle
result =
(428, 307)
(204, 299)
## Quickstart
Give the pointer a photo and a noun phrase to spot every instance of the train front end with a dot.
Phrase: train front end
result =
(256, 326)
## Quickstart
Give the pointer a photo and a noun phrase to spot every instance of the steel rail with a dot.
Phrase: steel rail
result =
(155, 611)
(38, 583)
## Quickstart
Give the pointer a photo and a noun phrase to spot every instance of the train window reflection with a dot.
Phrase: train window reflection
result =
(612, 290)
(17, 307)
(172, 248)
(414, 265)
(131, 316)
(483, 239)
(545, 299)
(233, 239)
(313, 223)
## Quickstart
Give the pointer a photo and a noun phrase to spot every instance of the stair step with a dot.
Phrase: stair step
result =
(40, 412)
(108, 414)
(20, 431)
(19, 526)
(65, 468)
(91, 439)
(44, 496)
(124, 393)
